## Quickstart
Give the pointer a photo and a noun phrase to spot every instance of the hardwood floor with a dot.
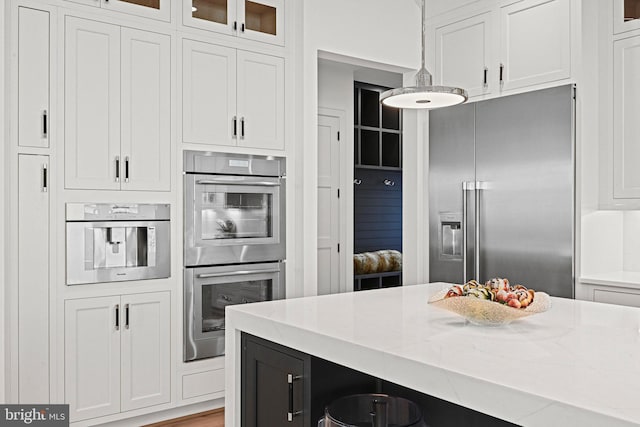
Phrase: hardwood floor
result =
(213, 418)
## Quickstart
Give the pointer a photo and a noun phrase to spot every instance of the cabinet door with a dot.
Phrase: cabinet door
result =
(209, 93)
(463, 55)
(260, 101)
(33, 283)
(156, 9)
(146, 368)
(262, 20)
(212, 15)
(535, 42)
(92, 104)
(267, 389)
(92, 357)
(33, 77)
(626, 126)
(626, 15)
(146, 110)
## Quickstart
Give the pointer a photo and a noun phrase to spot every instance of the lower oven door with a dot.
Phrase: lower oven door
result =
(208, 290)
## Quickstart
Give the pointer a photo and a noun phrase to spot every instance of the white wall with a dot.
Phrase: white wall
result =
(376, 31)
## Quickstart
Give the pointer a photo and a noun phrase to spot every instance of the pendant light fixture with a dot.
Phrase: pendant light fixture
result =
(423, 95)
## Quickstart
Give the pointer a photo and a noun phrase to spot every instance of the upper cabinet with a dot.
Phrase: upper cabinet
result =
(117, 107)
(464, 54)
(535, 43)
(626, 15)
(260, 20)
(626, 110)
(155, 9)
(232, 97)
(504, 48)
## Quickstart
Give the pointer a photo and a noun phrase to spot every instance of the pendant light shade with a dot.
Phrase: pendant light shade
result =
(423, 95)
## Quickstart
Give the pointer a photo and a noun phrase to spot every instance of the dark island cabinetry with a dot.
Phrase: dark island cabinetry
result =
(283, 387)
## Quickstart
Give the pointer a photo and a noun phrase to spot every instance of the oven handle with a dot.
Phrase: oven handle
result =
(221, 182)
(235, 273)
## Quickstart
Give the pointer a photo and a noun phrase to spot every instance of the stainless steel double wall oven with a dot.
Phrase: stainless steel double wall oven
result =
(234, 241)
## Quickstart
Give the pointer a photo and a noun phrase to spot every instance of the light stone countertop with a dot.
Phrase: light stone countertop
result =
(577, 364)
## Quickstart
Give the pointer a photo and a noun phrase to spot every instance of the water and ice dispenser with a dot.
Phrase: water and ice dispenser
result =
(450, 235)
(109, 242)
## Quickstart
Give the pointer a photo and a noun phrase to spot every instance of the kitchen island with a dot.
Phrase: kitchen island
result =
(577, 364)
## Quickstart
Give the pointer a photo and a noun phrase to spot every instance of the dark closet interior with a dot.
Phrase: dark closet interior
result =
(377, 190)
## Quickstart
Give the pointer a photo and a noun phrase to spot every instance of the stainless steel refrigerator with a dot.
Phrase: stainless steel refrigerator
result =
(501, 191)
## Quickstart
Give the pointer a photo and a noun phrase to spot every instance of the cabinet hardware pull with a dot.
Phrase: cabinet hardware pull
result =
(45, 184)
(235, 127)
(117, 317)
(235, 25)
(501, 73)
(117, 168)
(242, 128)
(357, 181)
(291, 413)
(126, 316)
(389, 183)
(484, 81)
(44, 123)
(242, 27)
(126, 169)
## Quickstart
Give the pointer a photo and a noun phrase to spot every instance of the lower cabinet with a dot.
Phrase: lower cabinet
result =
(117, 354)
(273, 384)
(285, 387)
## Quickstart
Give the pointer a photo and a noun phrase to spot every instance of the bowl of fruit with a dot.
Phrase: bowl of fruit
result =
(493, 303)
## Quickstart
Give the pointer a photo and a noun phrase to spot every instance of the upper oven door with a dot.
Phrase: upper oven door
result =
(233, 219)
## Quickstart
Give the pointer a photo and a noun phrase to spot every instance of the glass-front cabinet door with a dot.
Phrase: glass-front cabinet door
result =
(626, 15)
(156, 9)
(261, 20)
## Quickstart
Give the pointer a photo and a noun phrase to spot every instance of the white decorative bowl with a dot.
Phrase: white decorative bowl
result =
(489, 313)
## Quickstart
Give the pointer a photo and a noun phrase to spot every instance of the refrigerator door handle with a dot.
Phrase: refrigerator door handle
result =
(478, 187)
(466, 186)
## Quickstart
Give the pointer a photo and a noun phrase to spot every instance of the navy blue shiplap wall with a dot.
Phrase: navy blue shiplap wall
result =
(377, 210)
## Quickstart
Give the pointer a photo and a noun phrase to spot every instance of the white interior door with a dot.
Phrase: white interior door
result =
(328, 205)
(146, 368)
(146, 110)
(92, 356)
(33, 279)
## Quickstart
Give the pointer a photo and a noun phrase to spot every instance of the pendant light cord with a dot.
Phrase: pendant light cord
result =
(423, 77)
(424, 33)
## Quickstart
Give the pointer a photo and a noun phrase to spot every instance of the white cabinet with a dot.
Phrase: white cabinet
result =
(117, 354)
(464, 55)
(519, 44)
(117, 107)
(232, 97)
(260, 20)
(33, 279)
(535, 43)
(34, 81)
(631, 299)
(156, 9)
(626, 110)
(626, 15)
